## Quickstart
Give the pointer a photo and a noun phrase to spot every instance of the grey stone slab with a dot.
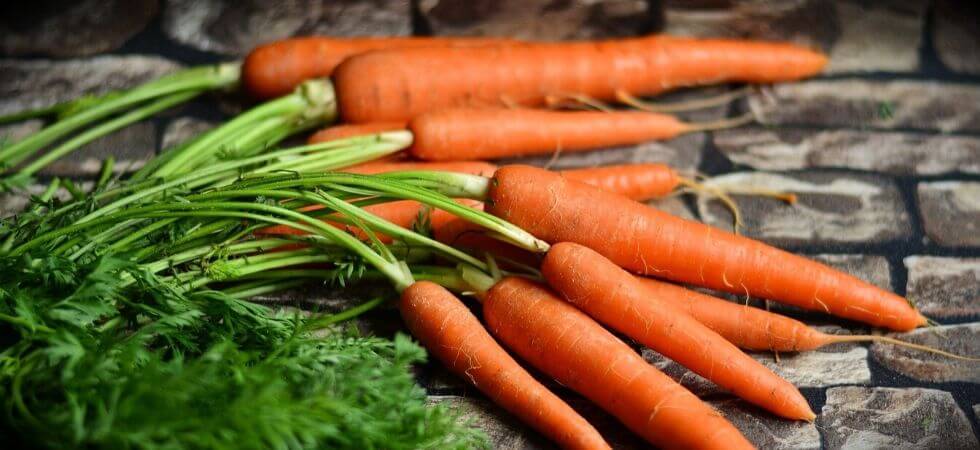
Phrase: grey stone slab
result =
(682, 153)
(131, 147)
(956, 36)
(905, 419)
(951, 212)
(831, 208)
(78, 28)
(829, 366)
(860, 103)
(963, 339)
(858, 36)
(181, 129)
(876, 151)
(767, 431)
(30, 84)
(235, 27)
(944, 288)
(537, 19)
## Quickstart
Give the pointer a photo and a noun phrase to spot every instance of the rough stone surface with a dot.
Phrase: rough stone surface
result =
(75, 28)
(892, 152)
(829, 366)
(961, 339)
(17, 131)
(38, 83)
(766, 431)
(880, 417)
(951, 212)
(131, 146)
(858, 36)
(852, 102)
(537, 19)
(944, 288)
(182, 129)
(831, 207)
(682, 153)
(235, 27)
(956, 35)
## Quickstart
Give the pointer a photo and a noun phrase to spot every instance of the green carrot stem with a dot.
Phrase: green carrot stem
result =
(101, 130)
(193, 79)
(105, 173)
(313, 99)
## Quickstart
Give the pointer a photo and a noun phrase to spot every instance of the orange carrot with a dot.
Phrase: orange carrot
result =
(401, 84)
(453, 334)
(276, 68)
(471, 167)
(566, 344)
(616, 299)
(651, 242)
(461, 233)
(351, 130)
(490, 133)
(752, 328)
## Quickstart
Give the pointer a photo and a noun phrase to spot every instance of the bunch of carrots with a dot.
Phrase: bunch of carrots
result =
(599, 259)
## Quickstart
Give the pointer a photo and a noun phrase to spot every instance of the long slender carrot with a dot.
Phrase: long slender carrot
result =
(456, 337)
(753, 328)
(616, 299)
(276, 68)
(490, 133)
(401, 84)
(564, 343)
(648, 241)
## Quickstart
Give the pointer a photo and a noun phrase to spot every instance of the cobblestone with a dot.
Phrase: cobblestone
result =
(956, 36)
(961, 339)
(951, 212)
(880, 417)
(831, 208)
(944, 288)
(891, 152)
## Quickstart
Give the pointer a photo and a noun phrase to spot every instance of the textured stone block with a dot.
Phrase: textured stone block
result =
(30, 84)
(235, 27)
(537, 19)
(951, 212)
(892, 152)
(961, 339)
(956, 36)
(944, 288)
(77, 28)
(880, 417)
(853, 102)
(831, 208)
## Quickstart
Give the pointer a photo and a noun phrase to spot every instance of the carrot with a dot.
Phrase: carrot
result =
(490, 133)
(276, 68)
(471, 167)
(616, 299)
(566, 344)
(461, 233)
(401, 84)
(652, 242)
(456, 337)
(753, 328)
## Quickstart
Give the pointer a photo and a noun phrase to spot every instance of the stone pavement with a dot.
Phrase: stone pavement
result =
(883, 150)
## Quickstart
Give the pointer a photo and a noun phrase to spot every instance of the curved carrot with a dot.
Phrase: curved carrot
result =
(276, 68)
(490, 133)
(471, 167)
(453, 334)
(752, 328)
(648, 241)
(401, 84)
(616, 299)
(566, 344)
